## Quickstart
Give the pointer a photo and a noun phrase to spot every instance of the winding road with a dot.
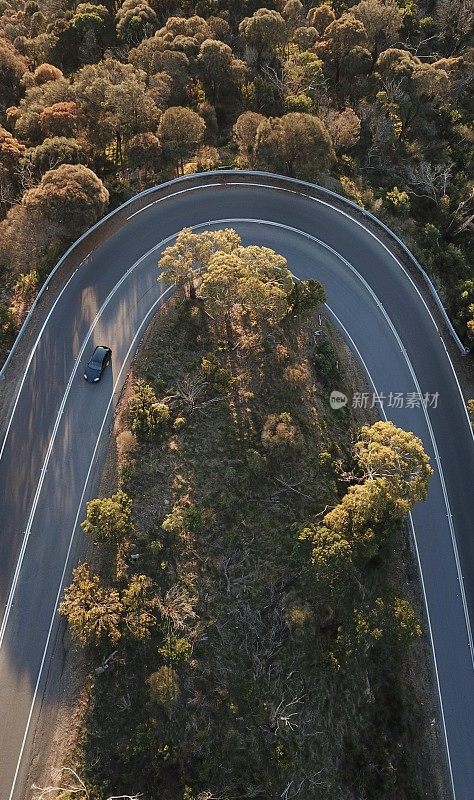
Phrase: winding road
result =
(55, 434)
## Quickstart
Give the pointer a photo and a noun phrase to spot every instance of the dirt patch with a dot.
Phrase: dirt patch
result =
(61, 721)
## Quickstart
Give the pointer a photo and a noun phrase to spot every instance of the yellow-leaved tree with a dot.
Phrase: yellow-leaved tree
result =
(396, 457)
(395, 473)
(185, 260)
(254, 280)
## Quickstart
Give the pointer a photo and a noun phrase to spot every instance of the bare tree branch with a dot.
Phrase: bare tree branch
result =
(76, 788)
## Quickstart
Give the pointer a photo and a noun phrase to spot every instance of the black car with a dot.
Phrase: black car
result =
(98, 361)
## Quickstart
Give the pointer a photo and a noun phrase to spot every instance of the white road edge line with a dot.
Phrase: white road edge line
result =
(38, 338)
(275, 189)
(47, 457)
(51, 625)
(385, 247)
(356, 349)
(169, 196)
(372, 293)
(27, 532)
(416, 384)
(30, 359)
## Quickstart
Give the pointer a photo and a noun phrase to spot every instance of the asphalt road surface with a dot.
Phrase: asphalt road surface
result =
(52, 452)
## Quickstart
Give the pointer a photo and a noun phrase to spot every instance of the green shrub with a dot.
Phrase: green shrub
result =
(219, 378)
(470, 411)
(187, 518)
(163, 687)
(176, 649)
(325, 360)
(109, 519)
(465, 312)
(299, 102)
(398, 201)
(305, 296)
(148, 416)
(174, 522)
(452, 262)
(256, 462)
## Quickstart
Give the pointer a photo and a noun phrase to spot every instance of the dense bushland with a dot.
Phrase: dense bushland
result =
(98, 101)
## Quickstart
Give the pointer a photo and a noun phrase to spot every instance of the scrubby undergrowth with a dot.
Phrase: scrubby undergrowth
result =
(255, 681)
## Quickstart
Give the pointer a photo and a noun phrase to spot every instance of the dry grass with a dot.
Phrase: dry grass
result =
(253, 706)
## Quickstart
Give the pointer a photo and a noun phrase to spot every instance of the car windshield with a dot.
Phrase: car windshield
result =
(97, 358)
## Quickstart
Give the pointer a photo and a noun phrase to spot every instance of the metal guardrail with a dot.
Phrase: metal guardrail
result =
(219, 176)
(432, 289)
(464, 350)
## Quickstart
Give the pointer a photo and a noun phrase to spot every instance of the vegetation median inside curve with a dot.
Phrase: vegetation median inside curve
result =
(249, 628)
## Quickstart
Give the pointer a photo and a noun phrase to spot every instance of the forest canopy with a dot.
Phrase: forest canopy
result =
(370, 98)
